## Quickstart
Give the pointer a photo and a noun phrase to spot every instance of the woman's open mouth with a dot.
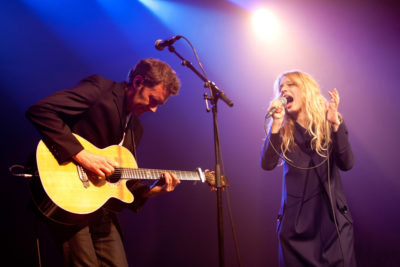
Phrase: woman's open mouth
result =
(289, 100)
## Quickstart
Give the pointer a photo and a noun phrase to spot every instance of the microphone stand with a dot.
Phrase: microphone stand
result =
(215, 95)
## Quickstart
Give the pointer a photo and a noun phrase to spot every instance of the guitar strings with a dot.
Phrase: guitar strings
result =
(152, 174)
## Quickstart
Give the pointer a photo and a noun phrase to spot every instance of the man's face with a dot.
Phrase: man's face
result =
(142, 98)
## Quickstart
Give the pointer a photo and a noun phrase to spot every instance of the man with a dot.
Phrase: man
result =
(104, 113)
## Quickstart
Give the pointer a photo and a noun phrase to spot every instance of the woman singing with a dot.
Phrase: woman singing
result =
(315, 226)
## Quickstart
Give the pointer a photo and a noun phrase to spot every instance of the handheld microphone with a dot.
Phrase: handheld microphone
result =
(272, 111)
(161, 44)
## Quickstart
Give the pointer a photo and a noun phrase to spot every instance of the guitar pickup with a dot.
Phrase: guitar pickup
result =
(83, 176)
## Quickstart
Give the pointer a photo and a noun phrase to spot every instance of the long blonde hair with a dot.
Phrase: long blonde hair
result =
(314, 107)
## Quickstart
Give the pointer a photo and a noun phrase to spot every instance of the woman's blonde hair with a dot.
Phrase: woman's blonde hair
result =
(314, 108)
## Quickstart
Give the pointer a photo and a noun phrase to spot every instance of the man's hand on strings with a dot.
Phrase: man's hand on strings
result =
(97, 164)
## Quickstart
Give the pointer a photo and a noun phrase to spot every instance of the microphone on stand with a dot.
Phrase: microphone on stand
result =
(161, 44)
(272, 111)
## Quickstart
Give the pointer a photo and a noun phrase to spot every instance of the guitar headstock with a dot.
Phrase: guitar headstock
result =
(210, 179)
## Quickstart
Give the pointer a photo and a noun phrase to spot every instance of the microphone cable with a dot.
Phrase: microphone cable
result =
(196, 56)
(331, 199)
(286, 159)
(228, 202)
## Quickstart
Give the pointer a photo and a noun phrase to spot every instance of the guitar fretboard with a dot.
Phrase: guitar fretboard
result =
(154, 174)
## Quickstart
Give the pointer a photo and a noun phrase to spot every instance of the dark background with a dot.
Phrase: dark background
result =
(350, 45)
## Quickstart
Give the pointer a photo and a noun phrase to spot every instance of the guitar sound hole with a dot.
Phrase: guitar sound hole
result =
(113, 178)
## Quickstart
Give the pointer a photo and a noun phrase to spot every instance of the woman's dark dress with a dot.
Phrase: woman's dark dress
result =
(306, 228)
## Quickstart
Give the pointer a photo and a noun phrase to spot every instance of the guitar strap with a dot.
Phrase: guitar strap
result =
(128, 119)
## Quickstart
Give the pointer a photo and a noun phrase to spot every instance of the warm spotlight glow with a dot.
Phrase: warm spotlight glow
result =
(265, 24)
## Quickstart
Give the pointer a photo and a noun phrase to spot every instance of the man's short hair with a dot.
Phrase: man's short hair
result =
(154, 72)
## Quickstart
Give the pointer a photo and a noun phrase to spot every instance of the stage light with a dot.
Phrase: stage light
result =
(265, 24)
(152, 5)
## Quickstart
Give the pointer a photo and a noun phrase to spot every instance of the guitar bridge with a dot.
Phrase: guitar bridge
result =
(83, 176)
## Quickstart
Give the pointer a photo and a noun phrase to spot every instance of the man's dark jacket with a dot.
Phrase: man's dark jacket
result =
(95, 110)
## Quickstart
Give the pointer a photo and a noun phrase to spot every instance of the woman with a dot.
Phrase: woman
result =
(314, 224)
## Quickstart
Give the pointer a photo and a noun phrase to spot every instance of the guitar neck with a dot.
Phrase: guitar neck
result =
(155, 174)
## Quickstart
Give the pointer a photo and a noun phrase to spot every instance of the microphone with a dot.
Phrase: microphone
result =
(160, 44)
(272, 111)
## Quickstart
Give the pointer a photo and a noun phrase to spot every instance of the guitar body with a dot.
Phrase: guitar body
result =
(65, 195)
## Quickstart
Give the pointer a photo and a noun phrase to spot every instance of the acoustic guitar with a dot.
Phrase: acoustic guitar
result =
(67, 193)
